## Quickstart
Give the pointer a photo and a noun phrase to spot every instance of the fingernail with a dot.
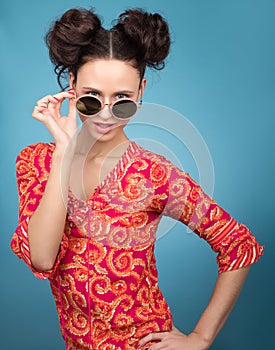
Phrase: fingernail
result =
(71, 92)
(57, 99)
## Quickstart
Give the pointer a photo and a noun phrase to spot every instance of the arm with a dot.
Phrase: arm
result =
(237, 249)
(38, 237)
(225, 294)
(46, 226)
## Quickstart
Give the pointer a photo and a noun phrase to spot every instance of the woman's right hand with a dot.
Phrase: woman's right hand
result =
(62, 128)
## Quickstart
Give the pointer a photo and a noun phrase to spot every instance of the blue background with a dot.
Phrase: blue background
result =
(220, 75)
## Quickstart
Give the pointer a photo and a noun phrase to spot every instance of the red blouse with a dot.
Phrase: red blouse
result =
(105, 281)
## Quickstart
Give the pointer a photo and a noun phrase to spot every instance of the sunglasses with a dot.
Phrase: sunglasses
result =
(122, 109)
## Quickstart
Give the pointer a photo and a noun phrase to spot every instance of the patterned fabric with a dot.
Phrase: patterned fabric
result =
(105, 281)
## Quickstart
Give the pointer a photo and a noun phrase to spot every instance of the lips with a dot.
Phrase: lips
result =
(103, 128)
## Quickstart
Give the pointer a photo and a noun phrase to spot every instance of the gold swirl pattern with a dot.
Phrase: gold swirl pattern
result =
(159, 174)
(99, 285)
(122, 320)
(105, 280)
(78, 324)
(120, 237)
(77, 245)
(119, 287)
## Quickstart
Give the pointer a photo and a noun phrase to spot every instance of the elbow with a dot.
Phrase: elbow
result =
(42, 265)
(42, 258)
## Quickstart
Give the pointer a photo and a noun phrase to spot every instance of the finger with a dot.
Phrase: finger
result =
(61, 96)
(152, 336)
(38, 112)
(160, 346)
(48, 101)
(72, 108)
(43, 101)
(54, 103)
(56, 98)
(43, 115)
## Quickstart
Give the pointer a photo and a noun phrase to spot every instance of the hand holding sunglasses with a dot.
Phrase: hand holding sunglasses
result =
(48, 111)
(122, 109)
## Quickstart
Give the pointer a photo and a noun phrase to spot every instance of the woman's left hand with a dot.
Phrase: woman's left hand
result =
(175, 340)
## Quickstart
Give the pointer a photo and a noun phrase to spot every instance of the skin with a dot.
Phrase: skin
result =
(46, 226)
(94, 150)
(96, 154)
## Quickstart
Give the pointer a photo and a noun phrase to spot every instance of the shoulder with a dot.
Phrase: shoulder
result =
(35, 150)
(153, 159)
(161, 167)
(147, 155)
(154, 165)
(35, 158)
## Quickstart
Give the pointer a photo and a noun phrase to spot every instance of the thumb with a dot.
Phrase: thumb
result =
(72, 108)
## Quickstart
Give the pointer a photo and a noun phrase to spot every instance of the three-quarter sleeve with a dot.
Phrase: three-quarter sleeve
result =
(186, 202)
(32, 169)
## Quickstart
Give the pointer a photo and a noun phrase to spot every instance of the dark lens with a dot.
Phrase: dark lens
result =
(124, 109)
(88, 105)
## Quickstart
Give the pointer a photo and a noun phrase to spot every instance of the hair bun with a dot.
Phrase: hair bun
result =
(150, 33)
(68, 35)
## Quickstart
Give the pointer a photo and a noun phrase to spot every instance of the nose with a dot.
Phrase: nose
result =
(105, 112)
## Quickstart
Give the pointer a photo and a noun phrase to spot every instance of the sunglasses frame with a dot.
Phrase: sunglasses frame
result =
(110, 105)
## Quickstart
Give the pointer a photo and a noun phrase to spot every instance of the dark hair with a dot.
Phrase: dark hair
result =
(137, 36)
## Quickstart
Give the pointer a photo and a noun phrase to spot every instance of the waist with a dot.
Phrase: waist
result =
(99, 336)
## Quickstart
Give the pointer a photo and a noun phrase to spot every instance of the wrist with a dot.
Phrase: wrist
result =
(202, 339)
(62, 161)
(64, 151)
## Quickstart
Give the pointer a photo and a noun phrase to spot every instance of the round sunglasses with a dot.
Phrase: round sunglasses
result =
(122, 109)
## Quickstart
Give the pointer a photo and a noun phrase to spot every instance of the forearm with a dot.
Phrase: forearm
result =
(225, 294)
(46, 226)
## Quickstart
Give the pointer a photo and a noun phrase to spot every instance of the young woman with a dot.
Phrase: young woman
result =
(90, 202)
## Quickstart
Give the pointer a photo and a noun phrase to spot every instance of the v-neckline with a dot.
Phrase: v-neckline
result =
(112, 175)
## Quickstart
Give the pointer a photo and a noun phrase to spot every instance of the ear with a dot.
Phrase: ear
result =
(71, 80)
(142, 87)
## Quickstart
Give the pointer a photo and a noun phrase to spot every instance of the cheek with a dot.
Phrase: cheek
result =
(83, 119)
(122, 123)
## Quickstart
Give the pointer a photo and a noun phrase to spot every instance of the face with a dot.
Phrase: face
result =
(109, 80)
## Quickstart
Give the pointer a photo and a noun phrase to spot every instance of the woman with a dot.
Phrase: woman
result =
(90, 202)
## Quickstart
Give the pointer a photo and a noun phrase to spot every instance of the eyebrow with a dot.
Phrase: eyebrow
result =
(100, 92)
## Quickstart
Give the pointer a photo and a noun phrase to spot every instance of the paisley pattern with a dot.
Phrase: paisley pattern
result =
(105, 281)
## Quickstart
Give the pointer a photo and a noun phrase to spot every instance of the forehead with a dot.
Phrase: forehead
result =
(108, 73)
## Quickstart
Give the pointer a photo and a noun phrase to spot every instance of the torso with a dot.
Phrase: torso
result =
(87, 173)
(106, 284)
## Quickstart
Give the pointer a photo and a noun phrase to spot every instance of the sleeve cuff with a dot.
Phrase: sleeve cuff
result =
(20, 246)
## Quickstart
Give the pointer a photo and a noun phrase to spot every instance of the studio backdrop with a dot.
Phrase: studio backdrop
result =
(211, 110)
